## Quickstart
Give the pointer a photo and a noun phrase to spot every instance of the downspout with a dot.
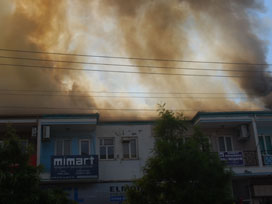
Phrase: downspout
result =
(257, 141)
(39, 142)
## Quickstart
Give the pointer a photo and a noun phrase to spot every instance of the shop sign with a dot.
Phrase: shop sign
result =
(74, 167)
(232, 158)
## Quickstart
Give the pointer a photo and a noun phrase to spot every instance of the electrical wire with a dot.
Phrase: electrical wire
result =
(133, 66)
(119, 92)
(107, 109)
(129, 72)
(131, 58)
(122, 97)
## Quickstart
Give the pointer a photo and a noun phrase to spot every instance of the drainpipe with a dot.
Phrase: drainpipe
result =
(257, 141)
(39, 143)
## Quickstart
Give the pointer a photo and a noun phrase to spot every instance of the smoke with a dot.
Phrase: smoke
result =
(37, 26)
(161, 29)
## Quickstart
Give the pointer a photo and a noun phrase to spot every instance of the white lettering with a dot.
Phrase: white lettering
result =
(79, 161)
(70, 161)
(73, 161)
(57, 162)
(92, 159)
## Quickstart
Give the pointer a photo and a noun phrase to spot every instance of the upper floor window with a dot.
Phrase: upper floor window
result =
(265, 144)
(225, 144)
(106, 148)
(129, 148)
(63, 147)
(84, 147)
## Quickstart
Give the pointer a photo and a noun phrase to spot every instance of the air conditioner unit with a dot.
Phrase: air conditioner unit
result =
(46, 132)
(34, 132)
(244, 133)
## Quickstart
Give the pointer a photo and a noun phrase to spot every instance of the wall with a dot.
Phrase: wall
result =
(215, 132)
(95, 193)
(120, 169)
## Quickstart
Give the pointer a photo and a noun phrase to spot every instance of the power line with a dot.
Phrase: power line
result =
(122, 97)
(107, 109)
(89, 108)
(133, 66)
(126, 72)
(116, 92)
(132, 58)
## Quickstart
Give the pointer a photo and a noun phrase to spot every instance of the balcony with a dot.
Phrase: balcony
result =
(74, 167)
(267, 157)
(239, 158)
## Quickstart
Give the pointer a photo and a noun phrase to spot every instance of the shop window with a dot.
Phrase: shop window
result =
(84, 147)
(63, 147)
(225, 144)
(106, 148)
(129, 148)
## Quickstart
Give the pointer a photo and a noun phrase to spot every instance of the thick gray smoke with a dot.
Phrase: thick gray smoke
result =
(161, 29)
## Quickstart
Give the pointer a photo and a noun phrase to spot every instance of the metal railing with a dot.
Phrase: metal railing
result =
(250, 158)
(267, 157)
(239, 158)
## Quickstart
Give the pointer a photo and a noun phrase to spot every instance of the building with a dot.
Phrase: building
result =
(96, 161)
(93, 161)
(243, 140)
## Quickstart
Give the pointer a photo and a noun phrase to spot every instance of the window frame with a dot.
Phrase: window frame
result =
(266, 151)
(136, 148)
(225, 144)
(62, 147)
(103, 145)
(89, 141)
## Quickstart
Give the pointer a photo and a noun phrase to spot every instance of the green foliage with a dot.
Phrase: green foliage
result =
(181, 170)
(19, 181)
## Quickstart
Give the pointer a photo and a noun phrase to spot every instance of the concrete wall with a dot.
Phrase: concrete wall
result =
(214, 132)
(121, 169)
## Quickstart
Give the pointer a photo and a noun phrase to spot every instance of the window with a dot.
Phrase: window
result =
(265, 144)
(129, 148)
(106, 148)
(84, 147)
(63, 147)
(225, 144)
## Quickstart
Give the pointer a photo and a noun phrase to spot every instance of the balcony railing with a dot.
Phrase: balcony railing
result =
(239, 158)
(267, 157)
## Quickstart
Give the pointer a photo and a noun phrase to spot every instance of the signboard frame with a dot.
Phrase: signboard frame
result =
(232, 158)
(74, 167)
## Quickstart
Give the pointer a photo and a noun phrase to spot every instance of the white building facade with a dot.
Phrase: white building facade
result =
(95, 162)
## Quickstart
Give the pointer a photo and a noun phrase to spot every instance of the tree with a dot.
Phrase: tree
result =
(19, 181)
(181, 170)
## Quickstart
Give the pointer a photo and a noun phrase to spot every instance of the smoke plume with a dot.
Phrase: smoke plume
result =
(205, 30)
(163, 30)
